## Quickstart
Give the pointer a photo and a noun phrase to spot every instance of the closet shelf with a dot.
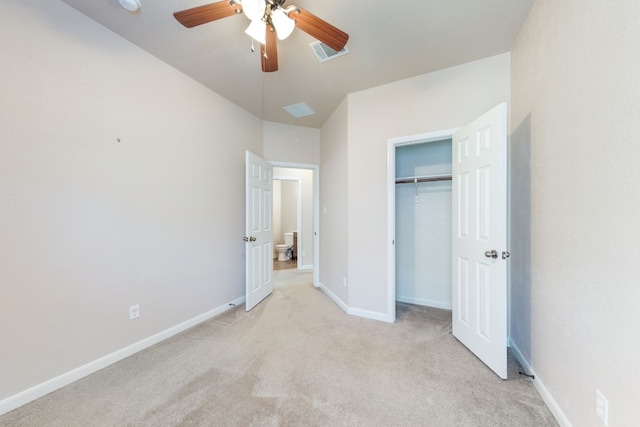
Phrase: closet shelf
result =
(418, 179)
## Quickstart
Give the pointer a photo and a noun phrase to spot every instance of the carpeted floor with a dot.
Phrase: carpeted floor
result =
(298, 360)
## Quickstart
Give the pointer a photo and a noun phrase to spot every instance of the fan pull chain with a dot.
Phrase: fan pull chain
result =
(252, 49)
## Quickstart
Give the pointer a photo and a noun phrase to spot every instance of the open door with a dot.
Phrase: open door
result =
(479, 294)
(258, 229)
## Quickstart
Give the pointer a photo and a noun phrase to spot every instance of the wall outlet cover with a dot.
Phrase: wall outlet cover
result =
(134, 312)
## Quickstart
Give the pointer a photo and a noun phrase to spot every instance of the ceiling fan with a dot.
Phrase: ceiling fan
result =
(269, 19)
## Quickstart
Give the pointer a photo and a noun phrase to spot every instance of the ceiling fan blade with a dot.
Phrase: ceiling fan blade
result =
(319, 29)
(207, 13)
(269, 53)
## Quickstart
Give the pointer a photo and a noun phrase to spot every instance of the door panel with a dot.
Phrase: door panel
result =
(479, 206)
(258, 229)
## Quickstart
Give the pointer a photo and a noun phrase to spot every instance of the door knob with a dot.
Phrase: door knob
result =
(252, 239)
(246, 239)
(491, 254)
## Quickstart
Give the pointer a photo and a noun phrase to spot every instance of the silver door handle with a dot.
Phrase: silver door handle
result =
(491, 254)
(249, 239)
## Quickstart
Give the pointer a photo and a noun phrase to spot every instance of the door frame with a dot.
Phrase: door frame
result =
(316, 212)
(298, 182)
(392, 144)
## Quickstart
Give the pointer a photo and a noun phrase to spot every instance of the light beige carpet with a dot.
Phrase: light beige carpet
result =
(298, 360)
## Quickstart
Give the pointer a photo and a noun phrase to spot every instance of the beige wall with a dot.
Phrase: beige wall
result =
(291, 144)
(440, 100)
(576, 119)
(333, 204)
(89, 225)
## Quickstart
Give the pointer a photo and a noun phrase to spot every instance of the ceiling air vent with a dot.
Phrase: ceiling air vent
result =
(301, 109)
(325, 53)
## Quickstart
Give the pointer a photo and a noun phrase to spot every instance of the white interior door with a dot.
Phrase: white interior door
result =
(258, 229)
(479, 245)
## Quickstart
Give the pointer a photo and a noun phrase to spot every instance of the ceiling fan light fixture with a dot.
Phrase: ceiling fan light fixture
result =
(283, 24)
(257, 30)
(254, 9)
(130, 5)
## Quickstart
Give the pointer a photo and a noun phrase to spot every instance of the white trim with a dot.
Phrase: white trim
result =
(334, 298)
(306, 267)
(35, 392)
(425, 302)
(316, 213)
(356, 311)
(392, 144)
(548, 399)
(384, 317)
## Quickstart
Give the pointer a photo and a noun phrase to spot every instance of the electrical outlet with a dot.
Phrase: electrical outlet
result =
(344, 282)
(602, 408)
(304, 253)
(134, 311)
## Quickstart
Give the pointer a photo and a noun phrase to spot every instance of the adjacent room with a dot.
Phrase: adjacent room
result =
(125, 132)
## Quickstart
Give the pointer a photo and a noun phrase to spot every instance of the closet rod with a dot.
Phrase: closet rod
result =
(418, 179)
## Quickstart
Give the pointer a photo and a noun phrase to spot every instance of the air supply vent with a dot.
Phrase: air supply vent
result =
(325, 53)
(301, 109)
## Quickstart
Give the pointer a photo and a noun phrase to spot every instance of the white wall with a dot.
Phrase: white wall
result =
(289, 207)
(277, 214)
(440, 100)
(576, 121)
(89, 225)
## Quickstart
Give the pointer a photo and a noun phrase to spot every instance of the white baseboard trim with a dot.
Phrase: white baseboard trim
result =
(553, 406)
(306, 267)
(334, 298)
(384, 317)
(35, 392)
(425, 302)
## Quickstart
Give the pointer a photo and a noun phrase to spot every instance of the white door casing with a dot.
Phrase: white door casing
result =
(258, 229)
(479, 294)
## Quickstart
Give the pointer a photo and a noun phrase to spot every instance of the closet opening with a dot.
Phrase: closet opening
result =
(420, 221)
(423, 224)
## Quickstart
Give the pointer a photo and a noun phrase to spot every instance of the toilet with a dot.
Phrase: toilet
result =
(284, 249)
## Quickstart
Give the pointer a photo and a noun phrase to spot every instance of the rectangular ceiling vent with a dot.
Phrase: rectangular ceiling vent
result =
(301, 109)
(325, 53)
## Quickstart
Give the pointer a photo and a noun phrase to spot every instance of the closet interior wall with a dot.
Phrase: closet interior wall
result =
(423, 224)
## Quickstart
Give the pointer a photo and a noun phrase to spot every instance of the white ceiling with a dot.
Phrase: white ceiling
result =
(388, 41)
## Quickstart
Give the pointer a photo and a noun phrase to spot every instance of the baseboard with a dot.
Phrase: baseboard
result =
(425, 302)
(306, 267)
(384, 317)
(334, 298)
(374, 315)
(553, 406)
(33, 393)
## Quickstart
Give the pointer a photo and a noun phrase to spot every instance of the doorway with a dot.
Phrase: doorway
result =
(420, 171)
(423, 223)
(308, 225)
(287, 210)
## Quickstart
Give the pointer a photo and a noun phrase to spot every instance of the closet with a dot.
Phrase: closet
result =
(423, 223)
